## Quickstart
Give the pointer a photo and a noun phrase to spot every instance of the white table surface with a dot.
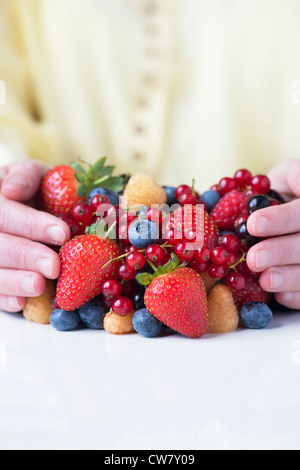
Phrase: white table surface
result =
(93, 390)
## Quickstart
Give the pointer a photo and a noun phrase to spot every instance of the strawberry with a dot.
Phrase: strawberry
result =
(66, 186)
(229, 208)
(58, 191)
(253, 292)
(86, 261)
(193, 219)
(178, 299)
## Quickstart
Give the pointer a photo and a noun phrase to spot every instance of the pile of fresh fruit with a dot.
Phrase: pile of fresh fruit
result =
(143, 257)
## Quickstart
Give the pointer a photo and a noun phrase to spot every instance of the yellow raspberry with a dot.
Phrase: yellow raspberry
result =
(208, 282)
(141, 189)
(223, 316)
(37, 309)
(117, 324)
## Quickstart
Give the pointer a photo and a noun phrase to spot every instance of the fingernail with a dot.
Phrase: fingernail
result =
(260, 225)
(56, 233)
(276, 280)
(288, 297)
(28, 284)
(263, 259)
(13, 303)
(45, 267)
(18, 182)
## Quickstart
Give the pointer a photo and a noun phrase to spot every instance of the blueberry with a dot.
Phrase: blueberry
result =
(171, 198)
(258, 202)
(256, 315)
(141, 213)
(243, 234)
(210, 198)
(145, 324)
(92, 314)
(64, 321)
(143, 233)
(138, 300)
(112, 196)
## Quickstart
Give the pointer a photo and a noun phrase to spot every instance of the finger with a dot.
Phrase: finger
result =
(280, 251)
(23, 254)
(289, 299)
(21, 283)
(281, 279)
(18, 219)
(276, 220)
(23, 180)
(285, 177)
(12, 304)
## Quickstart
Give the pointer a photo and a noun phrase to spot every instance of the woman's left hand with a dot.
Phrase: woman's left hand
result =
(278, 257)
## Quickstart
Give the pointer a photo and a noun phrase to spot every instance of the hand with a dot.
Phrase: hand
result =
(278, 258)
(24, 262)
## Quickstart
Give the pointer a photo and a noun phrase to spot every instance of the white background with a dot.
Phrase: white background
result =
(93, 390)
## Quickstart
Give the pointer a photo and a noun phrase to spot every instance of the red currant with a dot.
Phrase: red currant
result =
(226, 185)
(173, 236)
(98, 200)
(261, 183)
(163, 261)
(154, 253)
(127, 218)
(217, 271)
(53, 302)
(122, 306)
(126, 272)
(184, 252)
(202, 255)
(215, 188)
(187, 199)
(236, 281)
(112, 289)
(123, 234)
(219, 255)
(75, 228)
(243, 178)
(197, 266)
(155, 215)
(231, 260)
(136, 260)
(130, 288)
(181, 190)
(231, 242)
(83, 213)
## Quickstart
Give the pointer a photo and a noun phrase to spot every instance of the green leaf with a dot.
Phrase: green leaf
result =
(75, 166)
(80, 178)
(116, 183)
(82, 191)
(107, 171)
(145, 279)
(169, 267)
(99, 181)
(99, 165)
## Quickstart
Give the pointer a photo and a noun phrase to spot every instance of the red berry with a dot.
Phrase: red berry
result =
(217, 271)
(75, 228)
(202, 255)
(98, 200)
(154, 253)
(136, 260)
(173, 236)
(228, 209)
(107, 302)
(127, 218)
(227, 185)
(216, 188)
(236, 281)
(83, 213)
(181, 190)
(243, 178)
(155, 215)
(184, 252)
(123, 234)
(231, 242)
(126, 272)
(197, 266)
(130, 288)
(122, 306)
(219, 255)
(112, 289)
(164, 261)
(53, 302)
(187, 199)
(261, 183)
(231, 260)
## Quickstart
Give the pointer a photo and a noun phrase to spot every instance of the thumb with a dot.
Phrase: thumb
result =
(23, 179)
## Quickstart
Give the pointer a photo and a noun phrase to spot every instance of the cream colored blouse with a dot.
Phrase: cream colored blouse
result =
(179, 89)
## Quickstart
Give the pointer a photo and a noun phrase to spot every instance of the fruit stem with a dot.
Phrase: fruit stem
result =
(243, 258)
(152, 265)
(110, 229)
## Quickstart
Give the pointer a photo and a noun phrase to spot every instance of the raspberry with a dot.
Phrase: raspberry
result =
(228, 209)
(251, 293)
(143, 190)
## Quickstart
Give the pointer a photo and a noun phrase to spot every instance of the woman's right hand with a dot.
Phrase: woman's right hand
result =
(24, 261)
